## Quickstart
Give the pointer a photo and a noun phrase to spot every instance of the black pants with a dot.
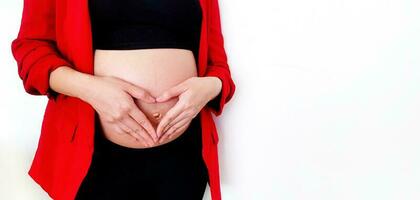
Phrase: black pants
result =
(172, 171)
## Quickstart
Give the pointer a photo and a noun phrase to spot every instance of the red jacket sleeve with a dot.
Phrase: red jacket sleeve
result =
(217, 60)
(35, 48)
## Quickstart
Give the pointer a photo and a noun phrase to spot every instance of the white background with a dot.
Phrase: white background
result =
(326, 106)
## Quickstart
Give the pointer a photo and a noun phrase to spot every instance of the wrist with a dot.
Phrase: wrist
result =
(216, 86)
(83, 84)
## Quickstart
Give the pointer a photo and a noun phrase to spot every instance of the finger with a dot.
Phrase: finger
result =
(172, 92)
(120, 130)
(181, 128)
(140, 93)
(174, 121)
(169, 116)
(174, 130)
(185, 114)
(130, 132)
(134, 90)
(141, 119)
(163, 138)
(123, 127)
(133, 125)
(127, 130)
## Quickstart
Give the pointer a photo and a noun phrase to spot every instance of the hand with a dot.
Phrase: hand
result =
(113, 99)
(193, 94)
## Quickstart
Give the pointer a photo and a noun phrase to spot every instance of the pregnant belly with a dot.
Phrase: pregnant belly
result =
(155, 70)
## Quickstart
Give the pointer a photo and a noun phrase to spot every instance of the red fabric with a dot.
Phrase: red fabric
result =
(56, 33)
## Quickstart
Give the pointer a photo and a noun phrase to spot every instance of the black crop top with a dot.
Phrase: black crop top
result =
(139, 24)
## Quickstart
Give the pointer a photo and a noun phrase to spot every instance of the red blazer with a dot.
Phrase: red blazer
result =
(55, 33)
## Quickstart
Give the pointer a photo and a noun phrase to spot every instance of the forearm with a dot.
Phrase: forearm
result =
(70, 82)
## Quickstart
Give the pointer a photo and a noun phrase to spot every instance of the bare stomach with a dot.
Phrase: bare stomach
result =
(154, 70)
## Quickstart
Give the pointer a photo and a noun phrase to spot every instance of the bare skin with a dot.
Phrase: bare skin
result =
(124, 88)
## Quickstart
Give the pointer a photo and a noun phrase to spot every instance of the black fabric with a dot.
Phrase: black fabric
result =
(138, 24)
(172, 171)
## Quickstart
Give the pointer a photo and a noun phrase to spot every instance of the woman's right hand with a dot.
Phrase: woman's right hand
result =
(112, 98)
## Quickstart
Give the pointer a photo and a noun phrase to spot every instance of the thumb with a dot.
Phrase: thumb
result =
(172, 92)
(141, 94)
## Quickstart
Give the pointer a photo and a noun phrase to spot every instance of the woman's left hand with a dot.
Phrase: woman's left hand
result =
(193, 94)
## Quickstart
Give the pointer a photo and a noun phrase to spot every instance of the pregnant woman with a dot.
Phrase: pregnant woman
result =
(151, 46)
(145, 89)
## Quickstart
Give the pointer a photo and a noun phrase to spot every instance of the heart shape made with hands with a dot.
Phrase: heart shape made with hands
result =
(155, 112)
(169, 115)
